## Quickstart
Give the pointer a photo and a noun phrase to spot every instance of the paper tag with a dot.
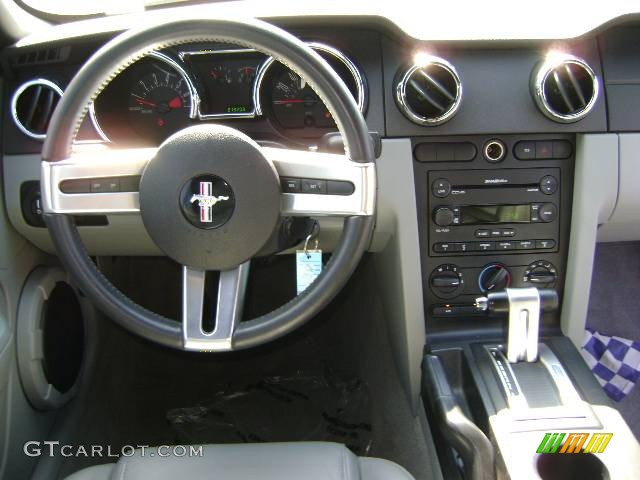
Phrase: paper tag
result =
(308, 267)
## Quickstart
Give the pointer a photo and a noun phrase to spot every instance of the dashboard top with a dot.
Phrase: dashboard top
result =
(482, 21)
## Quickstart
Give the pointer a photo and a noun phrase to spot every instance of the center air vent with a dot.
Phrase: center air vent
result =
(564, 87)
(32, 106)
(429, 93)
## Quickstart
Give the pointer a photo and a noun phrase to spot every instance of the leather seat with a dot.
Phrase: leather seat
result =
(263, 461)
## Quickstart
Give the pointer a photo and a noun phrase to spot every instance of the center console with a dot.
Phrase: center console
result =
(493, 212)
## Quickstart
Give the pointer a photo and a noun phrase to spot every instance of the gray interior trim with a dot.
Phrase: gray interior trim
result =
(624, 223)
(398, 263)
(594, 197)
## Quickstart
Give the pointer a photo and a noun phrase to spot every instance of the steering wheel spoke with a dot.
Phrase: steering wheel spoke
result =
(231, 290)
(95, 180)
(323, 184)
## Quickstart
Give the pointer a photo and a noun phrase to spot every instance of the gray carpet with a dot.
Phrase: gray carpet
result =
(614, 307)
(137, 383)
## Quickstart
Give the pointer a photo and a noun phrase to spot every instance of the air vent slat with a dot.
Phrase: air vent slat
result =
(425, 95)
(429, 93)
(575, 85)
(438, 85)
(564, 87)
(563, 92)
(33, 104)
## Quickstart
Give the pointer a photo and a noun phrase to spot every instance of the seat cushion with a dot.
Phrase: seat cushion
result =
(263, 461)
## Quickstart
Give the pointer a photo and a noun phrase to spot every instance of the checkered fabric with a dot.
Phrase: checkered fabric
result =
(614, 361)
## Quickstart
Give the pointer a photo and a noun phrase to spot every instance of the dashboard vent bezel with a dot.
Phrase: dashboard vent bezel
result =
(425, 63)
(38, 82)
(542, 74)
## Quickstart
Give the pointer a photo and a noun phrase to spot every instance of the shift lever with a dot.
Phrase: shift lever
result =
(523, 306)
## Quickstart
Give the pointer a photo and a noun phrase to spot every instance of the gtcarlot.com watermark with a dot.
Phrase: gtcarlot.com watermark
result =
(53, 448)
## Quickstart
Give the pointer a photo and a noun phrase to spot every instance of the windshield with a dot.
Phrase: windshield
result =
(72, 8)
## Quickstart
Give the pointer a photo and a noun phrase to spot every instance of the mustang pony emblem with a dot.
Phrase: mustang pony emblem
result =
(206, 201)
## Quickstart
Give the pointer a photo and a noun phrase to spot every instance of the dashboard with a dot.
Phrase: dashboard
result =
(171, 89)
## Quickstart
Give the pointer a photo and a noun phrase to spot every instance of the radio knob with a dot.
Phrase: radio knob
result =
(494, 277)
(443, 216)
(548, 212)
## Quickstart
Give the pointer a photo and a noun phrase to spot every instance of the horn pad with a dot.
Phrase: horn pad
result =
(209, 198)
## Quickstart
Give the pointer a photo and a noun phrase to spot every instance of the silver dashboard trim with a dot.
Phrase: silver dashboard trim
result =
(14, 104)
(401, 92)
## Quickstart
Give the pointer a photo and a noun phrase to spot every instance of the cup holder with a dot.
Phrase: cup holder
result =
(570, 466)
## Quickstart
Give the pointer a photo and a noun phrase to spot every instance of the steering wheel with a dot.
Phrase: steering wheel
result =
(234, 182)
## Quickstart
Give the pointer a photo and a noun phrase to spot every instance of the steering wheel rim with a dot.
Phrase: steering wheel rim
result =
(124, 50)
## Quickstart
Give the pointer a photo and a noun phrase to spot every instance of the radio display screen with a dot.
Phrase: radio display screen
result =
(479, 214)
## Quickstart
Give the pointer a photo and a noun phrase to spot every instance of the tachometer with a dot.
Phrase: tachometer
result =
(147, 102)
(159, 102)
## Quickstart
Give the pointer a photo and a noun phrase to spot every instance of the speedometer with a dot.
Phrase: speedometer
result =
(293, 104)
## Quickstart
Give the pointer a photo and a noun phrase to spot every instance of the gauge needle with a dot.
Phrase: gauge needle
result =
(290, 100)
(175, 102)
(145, 102)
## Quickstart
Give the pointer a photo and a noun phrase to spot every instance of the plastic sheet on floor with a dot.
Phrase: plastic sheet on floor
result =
(302, 407)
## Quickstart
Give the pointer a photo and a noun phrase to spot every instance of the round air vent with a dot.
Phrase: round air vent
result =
(429, 92)
(33, 104)
(564, 87)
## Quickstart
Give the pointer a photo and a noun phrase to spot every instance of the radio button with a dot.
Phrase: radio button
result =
(483, 233)
(548, 185)
(548, 212)
(525, 150)
(443, 247)
(441, 187)
(466, 247)
(505, 246)
(486, 246)
(496, 233)
(545, 244)
(526, 244)
(508, 232)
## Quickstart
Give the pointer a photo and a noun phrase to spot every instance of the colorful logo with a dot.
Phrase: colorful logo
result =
(574, 443)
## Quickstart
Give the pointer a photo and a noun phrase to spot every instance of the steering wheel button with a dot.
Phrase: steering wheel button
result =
(290, 185)
(104, 185)
(318, 187)
(337, 187)
(80, 185)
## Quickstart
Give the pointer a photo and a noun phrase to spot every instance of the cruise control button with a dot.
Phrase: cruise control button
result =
(545, 244)
(130, 183)
(80, 185)
(505, 246)
(483, 233)
(104, 185)
(340, 187)
(318, 187)
(525, 244)
(525, 150)
(441, 187)
(290, 185)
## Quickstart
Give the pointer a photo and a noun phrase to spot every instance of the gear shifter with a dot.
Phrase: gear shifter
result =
(523, 305)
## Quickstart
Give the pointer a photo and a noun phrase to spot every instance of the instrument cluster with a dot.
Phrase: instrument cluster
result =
(167, 91)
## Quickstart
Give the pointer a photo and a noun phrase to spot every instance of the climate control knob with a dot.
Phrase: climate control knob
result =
(540, 274)
(446, 281)
(443, 216)
(494, 277)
